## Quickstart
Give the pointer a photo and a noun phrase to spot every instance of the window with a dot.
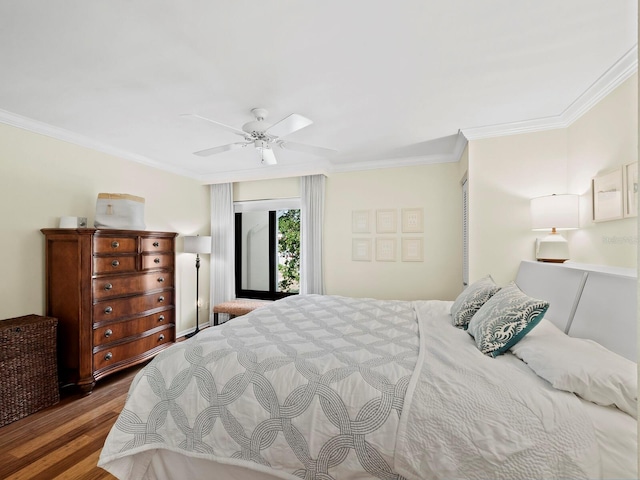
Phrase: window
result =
(267, 248)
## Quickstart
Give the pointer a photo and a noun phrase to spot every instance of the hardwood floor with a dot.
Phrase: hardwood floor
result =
(64, 441)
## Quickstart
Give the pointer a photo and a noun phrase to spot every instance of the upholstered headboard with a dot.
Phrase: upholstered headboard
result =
(587, 301)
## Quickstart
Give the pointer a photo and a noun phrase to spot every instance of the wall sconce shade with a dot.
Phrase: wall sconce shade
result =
(554, 212)
(197, 244)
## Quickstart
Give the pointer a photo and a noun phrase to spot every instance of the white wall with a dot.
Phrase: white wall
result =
(43, 179)
(436, 189)
(266, 189)
(606, 137)
(506, 172)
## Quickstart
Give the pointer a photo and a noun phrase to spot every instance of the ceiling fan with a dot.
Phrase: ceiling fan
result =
(263, 137)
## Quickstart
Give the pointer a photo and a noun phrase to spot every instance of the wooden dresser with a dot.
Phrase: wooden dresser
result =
(112, 292)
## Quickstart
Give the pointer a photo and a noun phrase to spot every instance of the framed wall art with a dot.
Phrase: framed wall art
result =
(360, 221)
(412, 249)
(412, 219)
(386, 221)
(607, 196)
(385, 249)
(361, 250)
(631, 190)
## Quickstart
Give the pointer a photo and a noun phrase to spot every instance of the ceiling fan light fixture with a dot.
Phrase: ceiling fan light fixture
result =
(260, 144)
(267, 157)
(261, 136)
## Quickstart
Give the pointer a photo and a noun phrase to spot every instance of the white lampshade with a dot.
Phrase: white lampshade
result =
(561, 212)
(197, 244)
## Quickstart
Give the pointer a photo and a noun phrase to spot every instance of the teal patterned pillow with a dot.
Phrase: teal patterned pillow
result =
(505, 319)
(471, 299)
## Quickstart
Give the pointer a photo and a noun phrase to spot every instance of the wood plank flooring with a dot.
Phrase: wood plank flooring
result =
(64, 441)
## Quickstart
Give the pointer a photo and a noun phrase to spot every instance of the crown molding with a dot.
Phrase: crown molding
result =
(626, 66)
(444, 157)
(57, 133)
(603, 86)
(326, 167)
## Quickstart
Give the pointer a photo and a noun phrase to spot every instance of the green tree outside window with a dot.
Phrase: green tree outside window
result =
(289, 251)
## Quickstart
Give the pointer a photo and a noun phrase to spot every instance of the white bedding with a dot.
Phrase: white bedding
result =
(308, 386)
(471, 416)
(461, 414)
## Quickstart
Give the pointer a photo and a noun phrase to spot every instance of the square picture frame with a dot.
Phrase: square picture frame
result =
(361, 250)
(386, 249)
(607, 196)
(412, 249)
(386, 221)
(631, 190)
(412, 220)
(360, 221)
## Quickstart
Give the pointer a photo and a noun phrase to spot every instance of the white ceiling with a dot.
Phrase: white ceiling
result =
(386, 83)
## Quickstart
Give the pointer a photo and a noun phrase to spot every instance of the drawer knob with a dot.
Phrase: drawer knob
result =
(160, 299)
(115, 263)
(108, 333)
(161, 318)
(108, 286)
(156, 260)
(115, 244)
(108, 356)
(161, 337)
(156, 244)
(108, 310)
(160, 279)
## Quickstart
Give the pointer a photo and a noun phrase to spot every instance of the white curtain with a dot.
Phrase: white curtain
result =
(223, 246)
(311, 220)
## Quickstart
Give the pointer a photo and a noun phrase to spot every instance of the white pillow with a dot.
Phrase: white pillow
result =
(581, 366)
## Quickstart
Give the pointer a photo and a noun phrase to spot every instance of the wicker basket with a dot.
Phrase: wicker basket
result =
(28, 366)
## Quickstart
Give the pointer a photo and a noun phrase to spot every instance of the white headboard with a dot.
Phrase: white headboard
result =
(561, 287)
(587, 301)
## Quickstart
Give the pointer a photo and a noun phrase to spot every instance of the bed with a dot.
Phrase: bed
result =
(324, 387)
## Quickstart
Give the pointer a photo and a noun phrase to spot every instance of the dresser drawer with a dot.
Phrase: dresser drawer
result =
(125, 351)
(115, 244)
(125, 307)
(157, 245)
(106, 287)
(114, 264)
(130, 328)
(159, 260)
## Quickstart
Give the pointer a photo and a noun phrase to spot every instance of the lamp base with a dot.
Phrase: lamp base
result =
(192, 334)
(551, 260)
(552, 248)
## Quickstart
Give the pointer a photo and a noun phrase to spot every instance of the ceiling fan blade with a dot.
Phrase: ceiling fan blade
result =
(223, 148)
(268, 156)
(288, 125)
(227, 127)
(301, 147)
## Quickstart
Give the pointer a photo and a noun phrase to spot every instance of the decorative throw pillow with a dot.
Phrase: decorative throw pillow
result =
(505, 319)
(471, 299)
